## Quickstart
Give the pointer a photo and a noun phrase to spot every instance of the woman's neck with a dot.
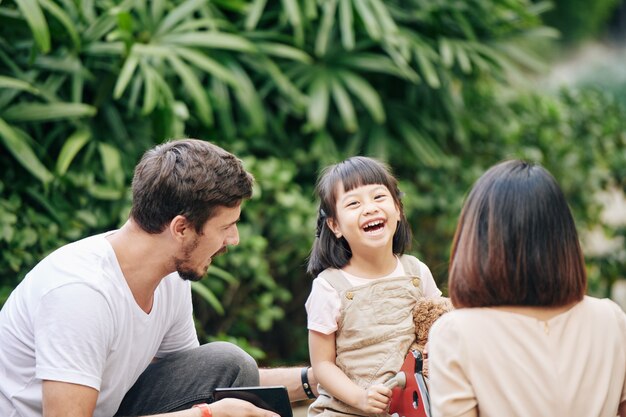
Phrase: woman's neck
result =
(371, 266)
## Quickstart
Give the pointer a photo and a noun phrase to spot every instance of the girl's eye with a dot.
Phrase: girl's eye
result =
(379, 196)
(352, 203)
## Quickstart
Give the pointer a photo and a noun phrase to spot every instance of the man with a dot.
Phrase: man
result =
(104, 326)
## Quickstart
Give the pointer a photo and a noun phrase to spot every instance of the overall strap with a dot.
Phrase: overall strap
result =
(411, 265)
(336, 279)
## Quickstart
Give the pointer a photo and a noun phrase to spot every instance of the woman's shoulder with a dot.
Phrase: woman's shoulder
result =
(601, 307)
(461, 318)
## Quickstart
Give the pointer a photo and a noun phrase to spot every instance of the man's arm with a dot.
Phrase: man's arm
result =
(62, 399)
(290, 378)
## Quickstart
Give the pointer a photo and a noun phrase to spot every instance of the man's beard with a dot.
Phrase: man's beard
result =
(187, 273)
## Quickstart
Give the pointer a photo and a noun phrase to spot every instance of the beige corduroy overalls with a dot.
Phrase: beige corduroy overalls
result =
(374, 333)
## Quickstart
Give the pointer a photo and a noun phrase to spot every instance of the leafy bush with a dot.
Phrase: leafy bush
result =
(290, 86)
(580, 20)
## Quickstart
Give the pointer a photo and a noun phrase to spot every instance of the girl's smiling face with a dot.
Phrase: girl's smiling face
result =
(366, 216)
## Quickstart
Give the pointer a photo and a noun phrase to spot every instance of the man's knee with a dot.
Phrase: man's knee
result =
(231, 359)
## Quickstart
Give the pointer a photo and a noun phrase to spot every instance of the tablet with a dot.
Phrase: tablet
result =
(274, 398)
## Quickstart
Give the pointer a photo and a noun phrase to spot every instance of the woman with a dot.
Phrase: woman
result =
(524, 340)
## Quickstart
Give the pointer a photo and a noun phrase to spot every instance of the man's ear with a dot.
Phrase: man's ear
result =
(179, 227)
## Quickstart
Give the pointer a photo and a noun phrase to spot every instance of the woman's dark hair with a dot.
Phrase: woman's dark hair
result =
(187, 177)
(330, 251)
(516, 242)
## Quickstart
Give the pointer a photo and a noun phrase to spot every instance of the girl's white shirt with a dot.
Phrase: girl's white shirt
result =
(323, 306)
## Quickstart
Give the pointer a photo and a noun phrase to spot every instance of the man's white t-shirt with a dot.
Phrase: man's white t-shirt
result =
(74, 319)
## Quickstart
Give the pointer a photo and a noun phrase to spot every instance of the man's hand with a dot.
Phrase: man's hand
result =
(233, 407)
(62, 399)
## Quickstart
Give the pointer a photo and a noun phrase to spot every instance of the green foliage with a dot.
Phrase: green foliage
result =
(428, 86)
(580, 20)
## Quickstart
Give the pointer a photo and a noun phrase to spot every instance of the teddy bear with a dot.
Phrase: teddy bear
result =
(425, 312)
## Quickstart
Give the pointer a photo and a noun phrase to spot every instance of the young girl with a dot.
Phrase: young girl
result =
(360, 307)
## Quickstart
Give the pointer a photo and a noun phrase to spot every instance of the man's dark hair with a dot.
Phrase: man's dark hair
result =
(187, 177)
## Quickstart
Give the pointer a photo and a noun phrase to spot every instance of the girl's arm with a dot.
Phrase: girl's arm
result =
(373, 400)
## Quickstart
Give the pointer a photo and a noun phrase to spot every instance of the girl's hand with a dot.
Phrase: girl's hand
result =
(375, 399)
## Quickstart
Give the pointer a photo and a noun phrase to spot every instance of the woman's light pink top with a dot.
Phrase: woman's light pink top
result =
(506, 364)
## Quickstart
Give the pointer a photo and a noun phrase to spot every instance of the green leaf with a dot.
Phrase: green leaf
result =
(64, 19)
(318, 103)
(255, 11)
(284, 84)
(78, 84)
(387, 24)
(208, 296)
(17, 144)
(346, 21)
(44, 202)
(206, 63)
(292, 9)
(401, 62)
(37, 23)
(150, 96)
(112, 163)
(248, 98)
(462, 58)
(215, 40)
(125, 75)
(223, 275)
(156, 9)
(284, 51)
(344, 104)
(446, 52)
(366, 94)
(194, 88)
(116, 49)
(185, 10)
(96, 31)
(372, 63)
(428, 69)
(68, 63)
(325, 28)
(70, 149)
(103, 192)
(369, 20)
(38, 112)
(15, 84)
(223, 107)
(423, 148)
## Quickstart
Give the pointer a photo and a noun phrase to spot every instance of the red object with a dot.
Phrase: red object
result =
(206, 410)
(412, 400)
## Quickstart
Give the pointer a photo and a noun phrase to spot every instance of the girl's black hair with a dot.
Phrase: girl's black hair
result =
(329, 251)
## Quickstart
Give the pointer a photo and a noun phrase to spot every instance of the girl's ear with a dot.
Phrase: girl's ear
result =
(332, 225)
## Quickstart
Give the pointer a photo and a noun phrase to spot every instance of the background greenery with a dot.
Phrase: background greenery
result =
(435, 88)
